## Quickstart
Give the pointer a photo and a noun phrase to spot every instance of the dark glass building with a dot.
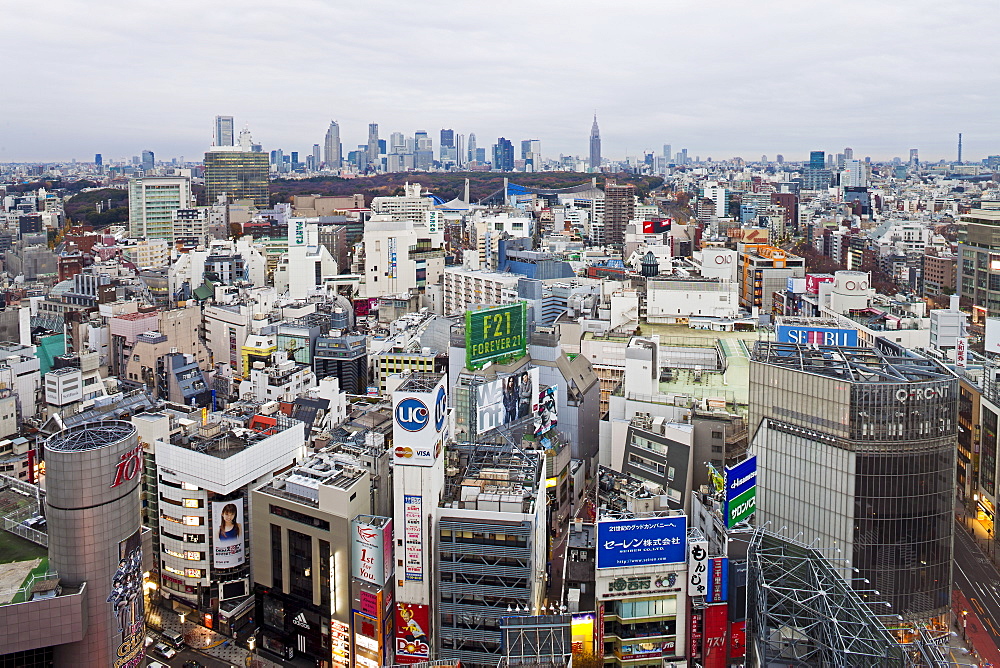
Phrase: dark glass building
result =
(856, 456)
(238, 175)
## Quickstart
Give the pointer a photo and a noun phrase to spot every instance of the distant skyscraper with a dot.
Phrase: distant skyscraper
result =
(99, 162)
(224, 131)
(472, 147)
(373, 161)
(817, 160)
(460, 150)
(503, 155)
(448, 138)
(447, 152)
(316, 157)
(960, 148)
(619, 209)
(848, 153)
(531, 153)
(914, 157)
(333, 157)
(397, 143)
(666, 152)
(595, 147)
(147, 160)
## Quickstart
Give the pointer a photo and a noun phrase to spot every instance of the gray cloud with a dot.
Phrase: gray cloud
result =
(719, 77)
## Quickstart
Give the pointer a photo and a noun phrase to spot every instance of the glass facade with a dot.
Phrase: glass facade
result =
(238, 175)
(889, 449)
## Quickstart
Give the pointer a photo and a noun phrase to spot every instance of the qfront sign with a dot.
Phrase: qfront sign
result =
(921, 393)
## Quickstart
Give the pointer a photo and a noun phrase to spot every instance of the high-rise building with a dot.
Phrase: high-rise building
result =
(224, 135)
(462, 156)
(238, 175)
(152, 201)
(855, 174)
(856, 454)
(333, 156)
(531, 153)
(914, 157)
(960, 148)
(503, 155)
(666, 152)
(148, 160)
(472, 147)
(595, 148)
(373, 147)
(817, 160)
(619, 209)
(316, 159)
(98, 160)
(448, 138)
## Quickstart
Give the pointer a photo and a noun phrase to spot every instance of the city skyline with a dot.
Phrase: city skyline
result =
(796, 88)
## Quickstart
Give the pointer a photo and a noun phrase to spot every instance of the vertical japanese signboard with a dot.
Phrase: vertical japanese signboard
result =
(697, 563)
(413, 538)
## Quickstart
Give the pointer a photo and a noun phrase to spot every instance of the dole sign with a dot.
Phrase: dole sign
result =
(419, 418)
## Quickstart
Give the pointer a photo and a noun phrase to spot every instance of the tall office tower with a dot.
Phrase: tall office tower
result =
(817, 160)
(848, 153)
(147, 160)
(959, 148)
(472, 147)
(595, 147)
(239, 175)
(503, 155)
(333, 156)
(619, 209)
(94, 516)
(460, 150)
(856, 456)
(397, 143)
(316, 156)
(224, 131)
(152, 201)
(914, 157)
(99, 163)
(448, 138)
(422, 141)
(666, 152)
(684, 156)
(423, 154)
(447, 152)
(372, 152)
(855, 174)
(780, 159)
(840, 160)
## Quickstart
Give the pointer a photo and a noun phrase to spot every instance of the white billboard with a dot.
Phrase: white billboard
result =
(228, 545)
(418, 423)
(992, 335)
(368, 548)
(508, 399)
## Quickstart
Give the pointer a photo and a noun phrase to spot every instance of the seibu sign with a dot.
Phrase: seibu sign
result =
(128, 466)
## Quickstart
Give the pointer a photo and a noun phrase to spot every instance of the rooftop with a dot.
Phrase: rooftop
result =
(856, 365)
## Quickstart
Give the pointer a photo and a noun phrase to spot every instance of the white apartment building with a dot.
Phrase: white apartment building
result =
(676, 300)
(411, 205)
(152, 201)
(147, 253)
(462, 287)
(401, 255)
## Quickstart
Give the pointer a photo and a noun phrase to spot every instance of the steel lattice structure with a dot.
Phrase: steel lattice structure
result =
(802, 613)
(90, 436)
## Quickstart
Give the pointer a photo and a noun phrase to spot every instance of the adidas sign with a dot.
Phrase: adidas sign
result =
(300, 620)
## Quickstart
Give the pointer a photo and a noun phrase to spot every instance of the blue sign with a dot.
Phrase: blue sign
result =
(439, 409)
(412, 414)
(718, 589)
(643, 542)
(741, 477)
(822, 336)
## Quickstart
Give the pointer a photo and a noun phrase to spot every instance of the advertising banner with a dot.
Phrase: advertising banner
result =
(547, 416)
(127, 603)
(413, 538)
(582, 632)
(696, 633)
(506, 400)
(367, 552)
(227, 534)
(718, 589)
(813, 281)
(495, 333)
(697, 563)
(367, 641)
(412, 642)
(418, 420)
(642, 542)
(716, 652)
(961, 352)
(741, 491)
(820, 336)
(629, 586)
(340, 639)
(738, 640)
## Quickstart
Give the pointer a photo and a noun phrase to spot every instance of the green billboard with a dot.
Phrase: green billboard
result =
(495, 333)
(742, 507)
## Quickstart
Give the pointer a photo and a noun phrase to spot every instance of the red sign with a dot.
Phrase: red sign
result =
(412, 641)
(128, 466)
(368, 603)
(738, 640)
(716, 620)
(599, 632)
(813, 281)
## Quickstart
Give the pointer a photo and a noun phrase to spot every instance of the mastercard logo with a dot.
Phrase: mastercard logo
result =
(403, 451)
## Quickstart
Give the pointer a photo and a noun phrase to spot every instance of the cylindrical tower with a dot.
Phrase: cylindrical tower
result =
(92, 478)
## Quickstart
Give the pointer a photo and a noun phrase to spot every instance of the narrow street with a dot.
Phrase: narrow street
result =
(979, 582)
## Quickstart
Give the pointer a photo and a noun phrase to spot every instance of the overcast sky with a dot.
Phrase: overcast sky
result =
(718, 77)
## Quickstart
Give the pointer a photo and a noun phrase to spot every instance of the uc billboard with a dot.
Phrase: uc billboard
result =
(741, 491)
(822, 336)
(418, 420)
(641, 542)
(495, 333)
